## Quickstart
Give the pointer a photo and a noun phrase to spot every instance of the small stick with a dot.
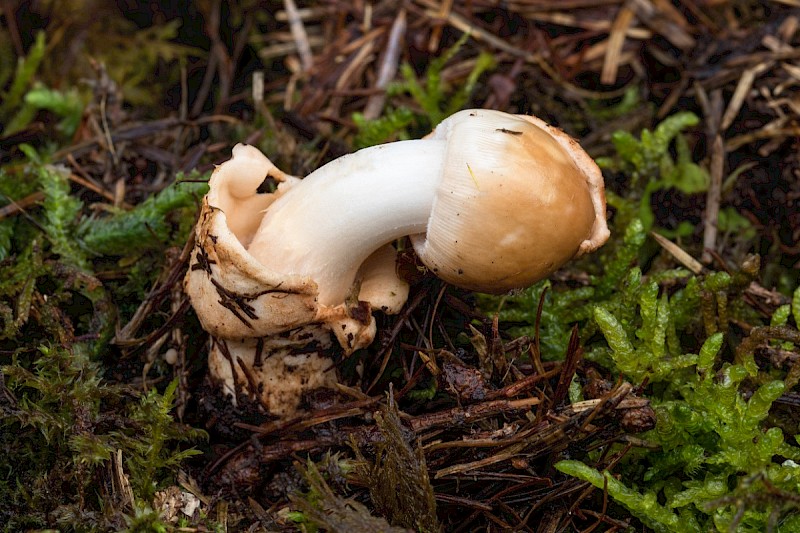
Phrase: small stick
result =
(522, 385)
(18, 206)
(299, 34)
(742, 89)
(436, 33)
(388, 68)
(711, 217)
(678, 253)
(616, 40)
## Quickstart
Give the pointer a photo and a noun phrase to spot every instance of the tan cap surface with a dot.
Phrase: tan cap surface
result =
(514, 204)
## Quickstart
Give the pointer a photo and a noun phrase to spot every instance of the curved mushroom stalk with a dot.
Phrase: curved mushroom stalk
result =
(492, 202)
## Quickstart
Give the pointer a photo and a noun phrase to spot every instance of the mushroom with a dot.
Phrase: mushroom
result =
(269, 334)
(492, 202)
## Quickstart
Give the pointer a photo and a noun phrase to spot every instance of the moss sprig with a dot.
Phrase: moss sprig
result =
(160, 220)
(651, 167)
(712, 414)
(432, 95)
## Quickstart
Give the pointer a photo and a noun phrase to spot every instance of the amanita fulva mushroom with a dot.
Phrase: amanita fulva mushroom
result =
(492, 202)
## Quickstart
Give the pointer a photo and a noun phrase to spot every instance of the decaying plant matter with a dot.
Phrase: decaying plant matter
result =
(275, 273)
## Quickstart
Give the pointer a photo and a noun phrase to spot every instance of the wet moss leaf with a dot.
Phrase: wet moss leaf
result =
(398, 479)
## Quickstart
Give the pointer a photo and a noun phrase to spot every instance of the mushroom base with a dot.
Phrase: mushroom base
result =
(275, 371)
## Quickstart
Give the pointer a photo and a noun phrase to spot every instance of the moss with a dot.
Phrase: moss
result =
(397, 477)
(720, 461)
(63, 423)
(157, 222)
(322, 509)
(713, 432)
(435, 99)
(13, 114)
(650, 166)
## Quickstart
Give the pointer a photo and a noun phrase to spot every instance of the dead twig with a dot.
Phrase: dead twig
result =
(19, 206)
(388, 67)
(711, 215)
(299, 35)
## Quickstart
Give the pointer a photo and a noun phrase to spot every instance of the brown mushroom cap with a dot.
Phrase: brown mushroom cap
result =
(518, 200)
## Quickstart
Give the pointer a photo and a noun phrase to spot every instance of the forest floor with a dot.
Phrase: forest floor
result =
(651, 386)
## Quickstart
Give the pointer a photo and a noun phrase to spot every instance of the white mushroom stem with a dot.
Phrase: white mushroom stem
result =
(327, 225)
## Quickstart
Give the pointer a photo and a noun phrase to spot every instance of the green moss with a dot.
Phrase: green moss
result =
(62, 422)
(391, 126)
(321, 509)
(651, 167)
(435, 99)
(713, 443)
(65, 422)
(721, 461)
(161, 220)
(712, 427)
(66, 104)
(644, 506)
(397, 478)
(13, 114)
(61, 215)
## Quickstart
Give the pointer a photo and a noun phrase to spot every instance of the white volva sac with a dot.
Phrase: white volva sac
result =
(492, 202)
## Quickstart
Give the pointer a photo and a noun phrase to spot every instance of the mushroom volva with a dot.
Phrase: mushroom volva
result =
(282, 266)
